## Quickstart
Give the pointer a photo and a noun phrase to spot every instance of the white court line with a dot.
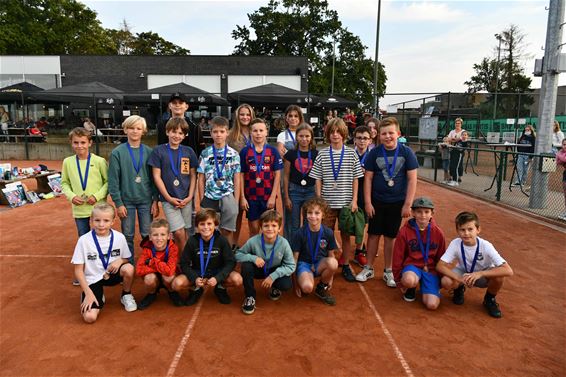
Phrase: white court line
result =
(185, 339)
(33, 256)
(388, 335)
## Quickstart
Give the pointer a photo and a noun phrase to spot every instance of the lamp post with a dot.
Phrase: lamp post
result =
(376, 63)
(499, 38)
(333, 62)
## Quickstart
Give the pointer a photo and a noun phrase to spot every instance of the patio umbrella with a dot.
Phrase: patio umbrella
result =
(194, 95)
(84, 92)
(272, 94)
(18, 92)
(336, 102)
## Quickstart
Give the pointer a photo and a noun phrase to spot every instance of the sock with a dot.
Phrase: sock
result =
(125, 293)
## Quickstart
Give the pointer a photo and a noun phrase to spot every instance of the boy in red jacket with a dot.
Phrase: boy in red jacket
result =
(158, 263)
(418, 248)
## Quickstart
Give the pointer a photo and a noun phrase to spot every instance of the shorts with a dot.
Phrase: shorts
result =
(256, 208)
(178, 218)
(306, 267)
(430, 283)
(330, 217)
(386, 220)
(228, 209)
(98, 288)
(480, 283)
(446, 165)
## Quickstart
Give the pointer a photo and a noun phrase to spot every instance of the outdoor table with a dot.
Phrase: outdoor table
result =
(112, 133)
(41, 179)
(501, 158)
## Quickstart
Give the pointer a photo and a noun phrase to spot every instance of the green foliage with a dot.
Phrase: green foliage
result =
(309, 28)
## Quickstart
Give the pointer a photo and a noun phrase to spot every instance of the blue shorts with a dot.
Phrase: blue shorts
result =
(256, 208)
(306, 267)
(430, 284)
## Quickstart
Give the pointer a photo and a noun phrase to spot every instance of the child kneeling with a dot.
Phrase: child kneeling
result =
(101, 258)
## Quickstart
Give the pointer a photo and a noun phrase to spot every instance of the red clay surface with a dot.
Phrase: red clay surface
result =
(42, 333)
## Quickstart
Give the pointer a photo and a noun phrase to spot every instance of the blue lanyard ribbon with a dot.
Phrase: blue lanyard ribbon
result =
(267, 266)
(291, 136)
(247, 140)
(390, 168)
(139, 164)
(83, 182)
(475, 257)
(309, 243)
(102, 259)
(219, 170)
(362, 158)
(203, 265)
(424, 249)
(258, 164)
(306, 171)
(336, 171)
(174, 167)
(154, 252)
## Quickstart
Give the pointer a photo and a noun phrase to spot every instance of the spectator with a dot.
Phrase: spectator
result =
(557, 137)
(527, 141)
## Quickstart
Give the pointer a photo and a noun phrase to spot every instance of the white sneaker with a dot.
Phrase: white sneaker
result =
(365, 274)
(562, 217)
(129, 302)
(389, 279)
(452, 183)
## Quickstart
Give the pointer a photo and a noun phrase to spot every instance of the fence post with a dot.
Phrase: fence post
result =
(26, 143)
(434, 162)
(502, 163)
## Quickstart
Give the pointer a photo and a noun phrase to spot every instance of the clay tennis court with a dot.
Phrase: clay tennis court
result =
(371, 331)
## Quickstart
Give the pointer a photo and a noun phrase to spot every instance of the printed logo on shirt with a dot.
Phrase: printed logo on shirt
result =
(115, 253)
(185, 165)
(267, 159)
(414, 245)
(480, 256)
(323, 243)
(91, 256)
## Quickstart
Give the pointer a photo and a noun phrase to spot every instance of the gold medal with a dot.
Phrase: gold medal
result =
(304, 182)
(138, 179)
(335, 185)
(84, 197)
(391, 183)
(176, 182)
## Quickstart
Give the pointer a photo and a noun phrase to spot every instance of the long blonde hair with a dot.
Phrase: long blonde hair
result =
(235, 135)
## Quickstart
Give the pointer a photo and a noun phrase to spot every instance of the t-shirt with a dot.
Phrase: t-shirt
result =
(375, 162)
(272, 162)
(341, 195)
(295, 174)
(207, 166)
(188, 160)
(288, 139)
(282, 259)
(300, 243)
(453, 134)
(86, 253)
(488, 257)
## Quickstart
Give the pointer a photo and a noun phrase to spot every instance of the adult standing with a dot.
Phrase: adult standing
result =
(557, 137)
(527, 141)
(454, 137)
(4, 119)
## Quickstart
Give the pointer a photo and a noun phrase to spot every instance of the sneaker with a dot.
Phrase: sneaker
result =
(458, 297)
(129, 302)
(347, 273)
(516, 184)
(193, 297)
(322, 293)
(360, 258)
(175, 298)
(389, 279)
(410, 294)
(248, 307)
(274, 294)
(492, 307)
(222, 295)
(147, 300)
(76, 283)
(562, 217)
(365, 274)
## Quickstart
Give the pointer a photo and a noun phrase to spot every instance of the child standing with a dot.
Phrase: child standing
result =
(418, 248)
(287, 140)
(261, 167)
(336, 170)
(158, 263)
(174, 173)
(130, 183)
(208, 260)
(313, 249)
(84, 179)
(266, 256)
(298, 187)
(479, 264)
(219, 178)
(527, 141)
(389, 187)
(445, 156)
(101, 258)
(362, 139)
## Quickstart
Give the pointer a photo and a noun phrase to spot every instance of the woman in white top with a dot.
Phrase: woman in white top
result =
(557, 137)
(456, 134)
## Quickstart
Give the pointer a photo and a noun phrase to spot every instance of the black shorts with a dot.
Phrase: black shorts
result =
(386, 220)
(98, 288)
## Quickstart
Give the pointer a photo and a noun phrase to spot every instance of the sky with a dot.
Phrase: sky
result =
(425, 46)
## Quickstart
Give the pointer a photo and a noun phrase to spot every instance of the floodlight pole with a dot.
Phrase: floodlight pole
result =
(333, 62)
(376, 63)
(499, 38)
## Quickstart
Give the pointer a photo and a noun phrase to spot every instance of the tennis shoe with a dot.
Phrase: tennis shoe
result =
(76, 283)
(389, 279)
(274, 294)
(347, 274)
(360, 258)
(147, 301)
(248, 307)
(492, 307)
(458, 297)
(322, 292)
(366, 273)
(194, 296)
(129, 302)
(175, 298)
(222, 295)
(410, 295)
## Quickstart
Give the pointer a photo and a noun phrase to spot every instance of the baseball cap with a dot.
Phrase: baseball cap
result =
(422, 202)
(179, 96)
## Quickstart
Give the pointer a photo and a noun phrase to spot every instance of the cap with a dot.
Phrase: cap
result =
(422, 202)
(179, 96)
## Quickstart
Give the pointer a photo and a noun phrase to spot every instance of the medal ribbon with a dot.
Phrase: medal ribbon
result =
(219, 170)
(83, 183)
(102, 259)
(258, 164)
(173, 166)
(203, 265)
(267, 266)
(154, 252)
(336, 171)
(306, 171)
(309, 243)
(475, 256)
(246, 139)
(424, 249)
(362, 158)
(390, 168)
(139, 164)
(291, 136)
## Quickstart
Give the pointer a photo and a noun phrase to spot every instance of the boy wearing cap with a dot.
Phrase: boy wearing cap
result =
(178, 106)
(418, 247)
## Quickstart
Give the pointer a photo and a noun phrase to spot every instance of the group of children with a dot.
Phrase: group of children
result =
(338, 184)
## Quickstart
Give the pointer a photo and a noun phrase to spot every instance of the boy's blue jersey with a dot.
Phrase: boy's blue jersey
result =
(300, 244)
(375, 162)
(183, 163)
(214, 187)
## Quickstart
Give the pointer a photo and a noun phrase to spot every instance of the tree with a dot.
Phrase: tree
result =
(309, 28)
(511, 77)
(149, 43)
